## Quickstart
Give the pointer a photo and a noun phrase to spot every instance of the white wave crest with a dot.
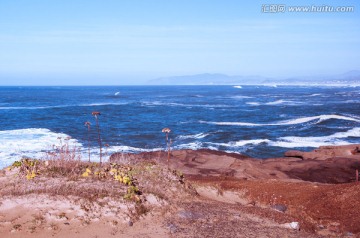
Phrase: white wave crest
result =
(294, 142)
(316, 141)
(237, 86)
(320, 118)
(130, 149)
(301, 120)
(297, 142)
(240, 97)
(173, 104)
(196, 136)
(253, 103)
(32, 142)
(193, 146)
(230, 123)
(102, 104)
(36, 142)
(241, 143)
(277, 102)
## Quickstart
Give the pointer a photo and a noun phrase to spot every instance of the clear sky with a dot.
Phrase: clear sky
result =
(78, 42)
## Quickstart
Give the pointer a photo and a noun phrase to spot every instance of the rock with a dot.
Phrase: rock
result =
(355, 151)
(279, 207)
(293, 225)
(294, 153)
(173, 228)
(326, 152)
(189, 215)
(130, 223)
(153, 200)
(321, 227)
(349, 234)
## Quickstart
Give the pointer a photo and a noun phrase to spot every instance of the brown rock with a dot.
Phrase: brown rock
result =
(294, 153)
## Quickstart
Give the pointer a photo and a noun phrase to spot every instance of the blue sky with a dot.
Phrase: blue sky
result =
(78, 42)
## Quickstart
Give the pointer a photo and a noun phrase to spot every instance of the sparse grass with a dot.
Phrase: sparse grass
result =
(62, 173)
(70, 178)
(65, 178)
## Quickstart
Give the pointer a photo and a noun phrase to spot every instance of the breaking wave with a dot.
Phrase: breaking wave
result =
(275, 103)
(316, 141)
(196, 136)
(300, 142)
(241, 143)
(32, 142)
(300, 120)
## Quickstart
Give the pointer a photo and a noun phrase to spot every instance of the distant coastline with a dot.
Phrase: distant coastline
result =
(351, 78)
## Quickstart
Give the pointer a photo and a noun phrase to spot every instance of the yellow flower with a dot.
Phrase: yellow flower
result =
(126, 180)
(30, 175)
(86, 173)
(118, 178)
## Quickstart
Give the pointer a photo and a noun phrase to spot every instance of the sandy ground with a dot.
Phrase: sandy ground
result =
(198, 218)
(223, 195)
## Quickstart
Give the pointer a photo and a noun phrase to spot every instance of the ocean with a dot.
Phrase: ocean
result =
(259, 121)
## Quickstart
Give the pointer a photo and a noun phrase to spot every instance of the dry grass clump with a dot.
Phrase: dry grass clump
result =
(66, 176)
(76, 178)
(96, 187)
(127, 180)
(53, 182)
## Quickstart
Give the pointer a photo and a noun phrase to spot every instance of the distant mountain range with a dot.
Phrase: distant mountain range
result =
(349, 78)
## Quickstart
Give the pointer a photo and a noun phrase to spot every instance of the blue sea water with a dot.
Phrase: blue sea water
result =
(259, 121)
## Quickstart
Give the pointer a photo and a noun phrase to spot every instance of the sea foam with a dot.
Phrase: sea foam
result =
(196, 136)
(296, 141)
(241, 143)
(31, 142)
(300, 120)
(316, 141)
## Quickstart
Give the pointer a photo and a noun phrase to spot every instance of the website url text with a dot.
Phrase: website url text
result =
(282, 8)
